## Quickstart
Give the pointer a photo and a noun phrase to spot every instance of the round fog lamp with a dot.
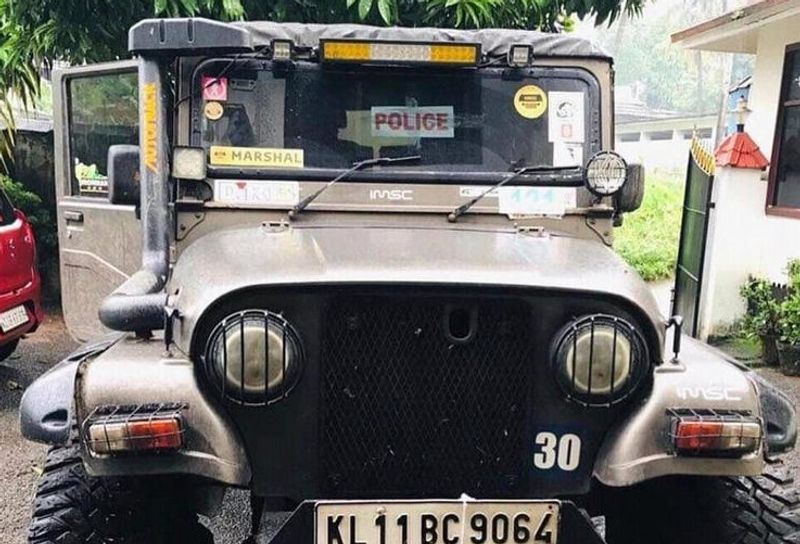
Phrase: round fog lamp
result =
(606, 173)
(599, 359)
(254, 357)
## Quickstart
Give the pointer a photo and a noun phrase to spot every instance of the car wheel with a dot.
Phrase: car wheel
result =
(7, 349)
(70, 507)
(707, 510)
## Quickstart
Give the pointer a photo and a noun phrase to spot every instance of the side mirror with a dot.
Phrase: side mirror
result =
(630, 197)
(123, 174)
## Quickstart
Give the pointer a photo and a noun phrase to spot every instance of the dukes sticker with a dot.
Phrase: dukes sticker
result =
(412, 122)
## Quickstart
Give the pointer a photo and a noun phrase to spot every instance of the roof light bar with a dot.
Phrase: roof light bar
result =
(452, 54)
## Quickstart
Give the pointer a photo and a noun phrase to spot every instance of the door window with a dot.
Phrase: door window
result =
(103, 112)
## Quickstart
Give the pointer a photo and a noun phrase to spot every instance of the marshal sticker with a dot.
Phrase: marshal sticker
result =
(413, 121)
(554, 201)
(213, 110)
(256, 156)
(214, 88)
(566, 117)
(257, 192)
(150, 109)
(530, 102)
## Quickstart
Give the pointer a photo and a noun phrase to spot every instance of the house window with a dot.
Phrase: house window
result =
(784, 178)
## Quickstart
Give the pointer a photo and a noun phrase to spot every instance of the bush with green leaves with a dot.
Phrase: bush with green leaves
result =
(793, 271)
(790, 319)
(764, 310)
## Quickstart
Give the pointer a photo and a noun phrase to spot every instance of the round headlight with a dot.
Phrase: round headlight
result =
(606, 173)
(599, 359)
(254, 357)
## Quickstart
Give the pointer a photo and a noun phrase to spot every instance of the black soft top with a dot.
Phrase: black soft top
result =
(494, 41)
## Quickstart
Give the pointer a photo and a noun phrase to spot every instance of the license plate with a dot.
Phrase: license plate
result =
(13, 318)
(437, 522)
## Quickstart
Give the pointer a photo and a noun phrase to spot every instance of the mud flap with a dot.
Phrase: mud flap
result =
(575, 527)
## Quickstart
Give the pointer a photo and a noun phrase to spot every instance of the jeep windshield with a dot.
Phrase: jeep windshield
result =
(309, 121)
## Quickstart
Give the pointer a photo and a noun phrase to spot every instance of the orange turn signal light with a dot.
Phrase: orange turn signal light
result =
(717, 436)
(150, 434)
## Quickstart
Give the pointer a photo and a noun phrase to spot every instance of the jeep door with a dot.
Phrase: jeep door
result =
(100, 243)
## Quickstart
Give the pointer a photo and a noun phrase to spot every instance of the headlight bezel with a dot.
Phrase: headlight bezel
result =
(562, 369)
(265, 323)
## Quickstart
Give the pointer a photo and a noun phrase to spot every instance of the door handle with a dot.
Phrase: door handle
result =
(72, 216)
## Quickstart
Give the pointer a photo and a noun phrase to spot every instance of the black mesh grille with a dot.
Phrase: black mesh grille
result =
(407, 410)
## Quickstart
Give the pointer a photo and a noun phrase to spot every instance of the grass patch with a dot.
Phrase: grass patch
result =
(648, 239)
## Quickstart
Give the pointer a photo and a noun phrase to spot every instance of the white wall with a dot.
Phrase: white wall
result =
(744, 240)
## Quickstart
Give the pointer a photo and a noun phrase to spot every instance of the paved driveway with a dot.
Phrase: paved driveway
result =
(20, 460)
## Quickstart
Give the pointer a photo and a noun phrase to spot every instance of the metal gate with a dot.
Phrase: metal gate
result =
(694, 228)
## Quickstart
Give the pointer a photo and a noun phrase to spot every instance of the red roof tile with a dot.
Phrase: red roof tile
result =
(740, 151)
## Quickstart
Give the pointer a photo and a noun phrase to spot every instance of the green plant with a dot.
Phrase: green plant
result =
(790, 319)
(648, 240)
(793, 271)
(764, 310)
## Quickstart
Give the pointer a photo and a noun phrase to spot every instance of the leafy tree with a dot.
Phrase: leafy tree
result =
(36, 33)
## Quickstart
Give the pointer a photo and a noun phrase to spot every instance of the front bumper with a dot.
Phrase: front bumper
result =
(574, 527)
(30, 297)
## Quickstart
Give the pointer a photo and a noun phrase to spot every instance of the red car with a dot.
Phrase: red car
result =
(20, 285)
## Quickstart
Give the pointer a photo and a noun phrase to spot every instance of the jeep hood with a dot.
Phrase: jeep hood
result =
(226, 261)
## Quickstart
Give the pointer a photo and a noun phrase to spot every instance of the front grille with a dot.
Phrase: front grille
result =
(409, 410)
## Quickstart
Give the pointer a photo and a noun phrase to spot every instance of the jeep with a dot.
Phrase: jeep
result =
(366, 274)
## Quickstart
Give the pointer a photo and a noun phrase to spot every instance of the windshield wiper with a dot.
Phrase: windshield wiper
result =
(360, 165)
(464, 208)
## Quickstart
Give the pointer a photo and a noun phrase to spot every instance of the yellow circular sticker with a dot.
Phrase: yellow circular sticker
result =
(530, 102)
(213, 110)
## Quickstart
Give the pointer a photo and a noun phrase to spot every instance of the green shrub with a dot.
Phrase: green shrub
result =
(790, 319)
(648, 239)
(764, 311)
(793, 271)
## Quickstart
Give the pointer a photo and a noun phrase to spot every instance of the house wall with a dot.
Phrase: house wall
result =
(652, 150)
(743, 239)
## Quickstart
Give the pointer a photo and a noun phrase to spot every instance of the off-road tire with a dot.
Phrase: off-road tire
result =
(71, 507)
(708, 510)
(8, 349)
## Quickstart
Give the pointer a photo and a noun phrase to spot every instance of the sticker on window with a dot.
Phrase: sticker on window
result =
(566, 117)
(214, 88)
(257, 192)
(567, 154)
(89, 179)
(530, 102)
(256, 156)
(415, 122)
(553, 201)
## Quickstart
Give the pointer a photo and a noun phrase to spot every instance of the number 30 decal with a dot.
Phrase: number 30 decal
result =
(551, 451)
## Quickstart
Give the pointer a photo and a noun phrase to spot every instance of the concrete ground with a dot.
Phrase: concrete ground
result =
(21, 461)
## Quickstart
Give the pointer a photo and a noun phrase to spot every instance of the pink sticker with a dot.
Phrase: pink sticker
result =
(215, 88)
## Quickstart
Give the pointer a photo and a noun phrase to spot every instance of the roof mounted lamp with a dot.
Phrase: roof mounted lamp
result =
(282, 50)
(742, 113)
(520, 55)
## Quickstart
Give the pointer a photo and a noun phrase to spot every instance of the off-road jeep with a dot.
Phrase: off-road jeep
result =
(377, 290)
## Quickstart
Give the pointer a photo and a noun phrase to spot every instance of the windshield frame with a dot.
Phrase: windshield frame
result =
(557, 177)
